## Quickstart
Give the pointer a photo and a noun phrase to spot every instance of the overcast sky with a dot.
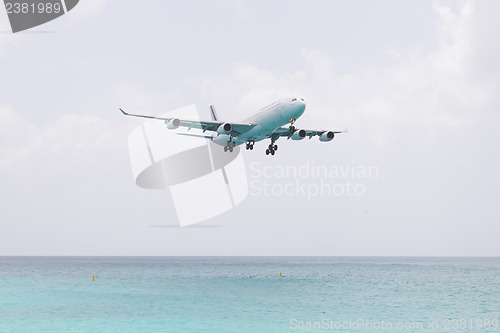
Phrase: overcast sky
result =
(417, 84)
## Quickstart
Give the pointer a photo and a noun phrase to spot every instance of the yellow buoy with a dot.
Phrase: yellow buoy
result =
(93, 277)
(281, 274)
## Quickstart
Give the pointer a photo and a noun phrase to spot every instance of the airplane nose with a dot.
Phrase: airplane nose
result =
(301, 107)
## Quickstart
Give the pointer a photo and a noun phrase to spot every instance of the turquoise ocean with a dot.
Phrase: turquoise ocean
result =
(247, 294)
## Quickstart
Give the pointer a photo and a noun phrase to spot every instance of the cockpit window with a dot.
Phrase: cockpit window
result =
(293, 100)
(302, 99)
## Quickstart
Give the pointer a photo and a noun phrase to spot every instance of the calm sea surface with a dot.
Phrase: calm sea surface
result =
(247, 294)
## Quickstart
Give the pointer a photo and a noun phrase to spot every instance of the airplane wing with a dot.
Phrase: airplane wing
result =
(311, 133)
(196, 135)
(285, 131)
(237, 128)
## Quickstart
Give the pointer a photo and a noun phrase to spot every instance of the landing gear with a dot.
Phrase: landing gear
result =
(272, 148)
(229, 146)
(250, 145)
(292, 128)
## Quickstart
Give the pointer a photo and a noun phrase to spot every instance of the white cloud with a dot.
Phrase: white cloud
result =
(420, 94)
(71, 146)
(75, 145)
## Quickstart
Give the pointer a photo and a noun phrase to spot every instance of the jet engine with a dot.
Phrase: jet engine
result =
(298, 135)
(225, 128)
(173, 123)
(327, 136)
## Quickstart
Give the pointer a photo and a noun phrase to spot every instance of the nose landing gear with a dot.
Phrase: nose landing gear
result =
(292, 128)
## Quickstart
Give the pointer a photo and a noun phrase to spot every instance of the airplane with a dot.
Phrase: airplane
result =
(269, 123)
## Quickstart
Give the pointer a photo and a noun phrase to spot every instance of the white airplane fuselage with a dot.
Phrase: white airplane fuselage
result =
(269, 119)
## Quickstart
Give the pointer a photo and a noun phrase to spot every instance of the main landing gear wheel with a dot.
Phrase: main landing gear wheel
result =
(250, 145)
(229, 146)
(271, 149)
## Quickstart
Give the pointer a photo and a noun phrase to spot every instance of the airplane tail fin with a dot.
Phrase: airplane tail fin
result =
(213, 113)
